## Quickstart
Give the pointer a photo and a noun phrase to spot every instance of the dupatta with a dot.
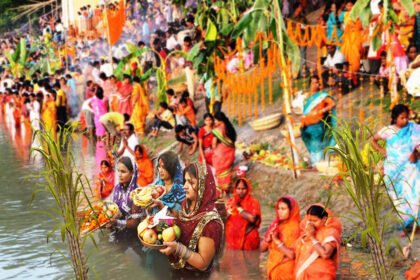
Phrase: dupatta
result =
(193, 223)
(238, 229)
(306, 255)
(288, 232)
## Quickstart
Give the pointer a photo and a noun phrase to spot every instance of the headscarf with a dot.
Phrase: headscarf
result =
(288, 233)
(294, 216)
(238, 229)
(306, 255)
(204, 212)
(121, 194)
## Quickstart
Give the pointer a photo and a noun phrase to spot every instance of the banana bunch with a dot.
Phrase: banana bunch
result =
(141, 196)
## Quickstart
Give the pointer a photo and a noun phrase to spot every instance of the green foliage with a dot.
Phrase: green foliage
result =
(66, 186)
(366, 186)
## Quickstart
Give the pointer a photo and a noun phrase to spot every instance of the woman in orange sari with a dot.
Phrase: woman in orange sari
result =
(105, 182)
(244, 219)
(280, 239)
(144, 165)
(224, 150)
(317, 250)
(140, 105)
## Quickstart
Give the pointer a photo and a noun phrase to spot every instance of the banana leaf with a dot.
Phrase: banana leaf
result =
(227, 29)
(161, 87)
(131, 47)
(242, 24)
(194, 51)
(211, 34)
(23, 55)
(357, 9)
(146, 75)
(408, 5)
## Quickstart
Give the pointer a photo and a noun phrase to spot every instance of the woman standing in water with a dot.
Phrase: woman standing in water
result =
(169, 176)
(401, 165)
(244, 220)
(280, 240)
(201, 227)
(127, 224)
(317, 249)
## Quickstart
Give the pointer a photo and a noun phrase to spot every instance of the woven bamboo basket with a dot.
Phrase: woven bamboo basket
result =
(267, 122)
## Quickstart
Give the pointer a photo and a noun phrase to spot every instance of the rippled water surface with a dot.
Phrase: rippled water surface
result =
(24, 227)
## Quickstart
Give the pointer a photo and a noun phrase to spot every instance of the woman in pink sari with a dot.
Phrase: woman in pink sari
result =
(223, 150)
(124, 99)
(100, 108)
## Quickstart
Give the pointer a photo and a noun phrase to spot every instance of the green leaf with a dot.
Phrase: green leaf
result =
(376, 42)
(211, 34)
(226, 30)
(198, 60)
(365, 16)
(408, 5)
(23, 53)
(194, 51)
(146, 75)
(242, 24)
(358, 7)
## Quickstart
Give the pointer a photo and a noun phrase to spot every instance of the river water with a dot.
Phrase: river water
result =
(24, 227)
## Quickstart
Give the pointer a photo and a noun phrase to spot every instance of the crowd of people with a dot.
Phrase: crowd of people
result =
(118, 111)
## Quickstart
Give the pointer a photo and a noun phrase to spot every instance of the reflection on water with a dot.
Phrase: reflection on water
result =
(25, 252)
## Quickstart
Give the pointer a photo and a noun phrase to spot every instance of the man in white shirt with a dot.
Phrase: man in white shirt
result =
(128, 142)
(334, 57)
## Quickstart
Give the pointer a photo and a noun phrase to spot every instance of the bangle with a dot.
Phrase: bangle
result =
(240, 210)
(279, 244)
(187, 254)
(314, 242)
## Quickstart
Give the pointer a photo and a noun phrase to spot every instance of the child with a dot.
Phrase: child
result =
(186, 135)
(381, 80)
(163, 117)
(187, 111)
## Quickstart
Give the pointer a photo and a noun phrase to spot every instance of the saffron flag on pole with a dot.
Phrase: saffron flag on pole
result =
(115, 19)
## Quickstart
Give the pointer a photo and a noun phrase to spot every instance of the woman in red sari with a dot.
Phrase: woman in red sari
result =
(317, 249)
(244, 220)
(205, 140)
(280, 240)
(105, 182)
(124, 98)
(223, 150)
(201, 227)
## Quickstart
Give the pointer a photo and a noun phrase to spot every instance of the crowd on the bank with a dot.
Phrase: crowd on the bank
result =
(119, 111)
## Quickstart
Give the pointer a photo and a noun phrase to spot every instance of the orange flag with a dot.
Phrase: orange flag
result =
(115, 20)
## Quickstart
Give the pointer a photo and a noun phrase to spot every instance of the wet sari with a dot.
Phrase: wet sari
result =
(141, 108)
(105, 184)
(145, 169)
(403, 176)
(223, 158)
(203, 221)
(315, 131)
(278, 265)
(240, 233)
(309, 265)
(207, 138)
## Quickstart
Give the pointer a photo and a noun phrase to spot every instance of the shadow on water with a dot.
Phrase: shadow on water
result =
(26, 254)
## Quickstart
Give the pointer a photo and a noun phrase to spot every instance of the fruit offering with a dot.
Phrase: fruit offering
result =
(143, 197)
(153, 231)
(99, 215)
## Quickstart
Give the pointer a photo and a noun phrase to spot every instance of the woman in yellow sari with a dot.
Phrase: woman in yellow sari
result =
(140, 104)
(49, 113)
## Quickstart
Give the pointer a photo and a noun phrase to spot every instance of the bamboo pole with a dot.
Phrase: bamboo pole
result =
(286, 94)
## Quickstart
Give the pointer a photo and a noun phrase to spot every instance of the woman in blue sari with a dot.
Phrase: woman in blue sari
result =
(335, 20)
(169, 176)
(319, 117)
(401, 165)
